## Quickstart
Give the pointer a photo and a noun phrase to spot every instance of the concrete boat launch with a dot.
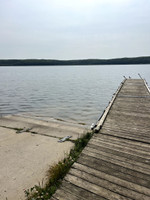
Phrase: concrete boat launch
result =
(28, 147)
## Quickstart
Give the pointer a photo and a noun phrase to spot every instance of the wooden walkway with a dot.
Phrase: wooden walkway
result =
(115, 164)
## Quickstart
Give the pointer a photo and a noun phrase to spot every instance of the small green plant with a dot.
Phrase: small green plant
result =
(18, 130)
(57, 172)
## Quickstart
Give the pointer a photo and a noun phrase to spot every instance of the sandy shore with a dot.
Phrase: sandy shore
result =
(25, 157)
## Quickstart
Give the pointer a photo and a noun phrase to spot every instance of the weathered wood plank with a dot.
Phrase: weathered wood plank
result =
(138, 146)
(137, 133)
(107, 185)
(119, 153)
(115, 170)
(96, 189)
(119, 161)
(128, 150)
(119, 157)
(121, 141)
(80, 192)
(113, 179)
(124, 147)
(127, 113)
(126, 136)
(121, 120)
(62, 194)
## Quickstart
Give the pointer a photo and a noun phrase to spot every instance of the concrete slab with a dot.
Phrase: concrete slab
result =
(26, 157)
(52, 128)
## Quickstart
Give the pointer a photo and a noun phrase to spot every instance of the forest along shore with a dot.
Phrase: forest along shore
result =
(28, 146)
(114, 61)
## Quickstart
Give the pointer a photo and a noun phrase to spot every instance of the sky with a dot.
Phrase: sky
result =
(74, 29)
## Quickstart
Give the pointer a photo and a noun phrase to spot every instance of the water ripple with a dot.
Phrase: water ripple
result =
(71, 93)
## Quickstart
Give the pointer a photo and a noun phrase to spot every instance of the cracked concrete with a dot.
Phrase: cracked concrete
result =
(26, 157)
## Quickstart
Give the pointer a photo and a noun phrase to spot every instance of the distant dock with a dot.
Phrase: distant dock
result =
(115, 164)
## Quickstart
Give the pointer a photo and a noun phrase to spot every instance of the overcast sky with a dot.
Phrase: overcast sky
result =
(72, 29)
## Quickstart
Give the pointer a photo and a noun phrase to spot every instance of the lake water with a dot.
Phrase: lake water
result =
(72, 93)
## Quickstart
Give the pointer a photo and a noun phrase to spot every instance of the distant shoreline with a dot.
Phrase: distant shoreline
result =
(51, 62)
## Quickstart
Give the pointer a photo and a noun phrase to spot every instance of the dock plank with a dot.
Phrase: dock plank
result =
(96, 189)
(80, 192)
(113, 179)
(107, 184)
(115, 170)
(119, 157)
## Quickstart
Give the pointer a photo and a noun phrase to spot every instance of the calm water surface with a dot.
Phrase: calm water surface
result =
(72, 93)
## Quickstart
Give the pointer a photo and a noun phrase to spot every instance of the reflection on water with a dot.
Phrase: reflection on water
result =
(76, 93)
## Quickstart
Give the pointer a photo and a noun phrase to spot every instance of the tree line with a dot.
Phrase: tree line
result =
(115, 61)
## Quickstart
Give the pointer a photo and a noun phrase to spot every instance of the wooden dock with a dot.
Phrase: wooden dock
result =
(115, 164)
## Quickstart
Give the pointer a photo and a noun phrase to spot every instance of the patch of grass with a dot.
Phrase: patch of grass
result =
(82, 123)
(57, 172)
(16, 129)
